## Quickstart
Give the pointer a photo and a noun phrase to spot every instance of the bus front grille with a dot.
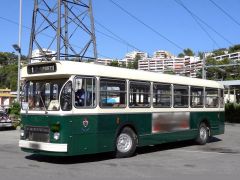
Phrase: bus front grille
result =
(37, 133)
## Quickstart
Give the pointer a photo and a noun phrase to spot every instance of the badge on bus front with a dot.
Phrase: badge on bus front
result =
(85, 122)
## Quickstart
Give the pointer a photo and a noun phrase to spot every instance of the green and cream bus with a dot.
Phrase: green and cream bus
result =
(72, 108)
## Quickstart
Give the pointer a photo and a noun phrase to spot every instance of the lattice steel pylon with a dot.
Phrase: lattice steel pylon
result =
(66, 27)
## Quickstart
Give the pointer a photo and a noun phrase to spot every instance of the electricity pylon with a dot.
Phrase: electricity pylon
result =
(64, 26)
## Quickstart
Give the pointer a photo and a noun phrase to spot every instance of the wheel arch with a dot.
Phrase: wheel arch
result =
(123, 125)
(206, 121)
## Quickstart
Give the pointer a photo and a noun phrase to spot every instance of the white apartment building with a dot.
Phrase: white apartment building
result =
(232, 56)
(38, 55)
(133, 54)
(162, 54)
(163, 61)
(104, 61)
(130, 57)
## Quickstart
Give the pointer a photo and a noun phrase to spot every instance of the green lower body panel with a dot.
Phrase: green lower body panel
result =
(89, 134)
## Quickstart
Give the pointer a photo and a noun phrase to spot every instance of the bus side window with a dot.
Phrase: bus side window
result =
(162, 95)
(66, 97)
(139, 94)
(85, 92)
(112, 93)
(180, 96)
(196, 97)
(212, 98)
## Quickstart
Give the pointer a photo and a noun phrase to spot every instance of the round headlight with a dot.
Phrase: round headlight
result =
(56, 136)
(22, 133)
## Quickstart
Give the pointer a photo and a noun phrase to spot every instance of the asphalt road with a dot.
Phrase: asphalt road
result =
(219, 159)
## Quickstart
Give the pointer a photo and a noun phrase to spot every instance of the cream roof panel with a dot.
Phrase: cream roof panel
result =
(88, 69)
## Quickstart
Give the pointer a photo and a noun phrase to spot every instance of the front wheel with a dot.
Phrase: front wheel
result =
(126, 143)
(203, 134)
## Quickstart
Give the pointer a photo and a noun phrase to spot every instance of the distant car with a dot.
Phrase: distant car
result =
(5, 121)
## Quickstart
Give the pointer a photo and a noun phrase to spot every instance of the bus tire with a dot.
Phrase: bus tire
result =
(126, 143)
(203, 134)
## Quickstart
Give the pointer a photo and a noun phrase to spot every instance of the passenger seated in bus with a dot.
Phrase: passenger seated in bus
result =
(79, 97)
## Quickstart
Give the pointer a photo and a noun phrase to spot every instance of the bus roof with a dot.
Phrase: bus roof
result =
(68, 68)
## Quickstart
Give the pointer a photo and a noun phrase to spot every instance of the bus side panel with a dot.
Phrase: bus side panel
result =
(167, 137)
(215, 120)
(107, 127)
(83, 138)
(110, 125)
(149, 138)
(142, 123)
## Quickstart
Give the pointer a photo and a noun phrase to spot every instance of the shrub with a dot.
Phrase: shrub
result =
(232, 112)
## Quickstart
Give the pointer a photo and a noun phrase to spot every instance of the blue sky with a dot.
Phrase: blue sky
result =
(165, 16)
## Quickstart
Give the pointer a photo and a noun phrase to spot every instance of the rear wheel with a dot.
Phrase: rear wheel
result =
(126, 143)
(203, 134)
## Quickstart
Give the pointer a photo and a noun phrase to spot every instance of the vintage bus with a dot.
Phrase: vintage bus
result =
(74, 108)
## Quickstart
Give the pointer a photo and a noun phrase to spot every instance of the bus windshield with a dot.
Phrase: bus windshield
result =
(42, 95)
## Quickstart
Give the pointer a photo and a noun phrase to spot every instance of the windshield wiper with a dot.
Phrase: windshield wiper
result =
(39, 93)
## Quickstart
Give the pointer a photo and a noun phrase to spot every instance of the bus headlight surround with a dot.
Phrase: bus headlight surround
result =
(56, 136)
(22, 134)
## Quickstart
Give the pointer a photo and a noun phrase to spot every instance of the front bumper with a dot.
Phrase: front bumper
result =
(6, 124)
(50, 147)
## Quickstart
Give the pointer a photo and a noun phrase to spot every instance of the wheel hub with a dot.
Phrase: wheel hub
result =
(124, 143)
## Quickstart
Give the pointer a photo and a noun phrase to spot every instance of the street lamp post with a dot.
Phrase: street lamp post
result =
(17, 48)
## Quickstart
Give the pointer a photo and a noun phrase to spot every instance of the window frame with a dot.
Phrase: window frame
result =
(203, 97)
(74, 93)
(170, 95)
(125, 92)
(174, 95)
(61, 93)
(150, 93)
(221, 98)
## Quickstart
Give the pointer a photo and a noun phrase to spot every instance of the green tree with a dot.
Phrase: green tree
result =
(188, 52)
(181, 55)
(3, 59)
(219, 52)
(123, 65)
(130, 65)
(235, 48)
(114, 63)
(135, 62)
(201, 54)
(15, 109)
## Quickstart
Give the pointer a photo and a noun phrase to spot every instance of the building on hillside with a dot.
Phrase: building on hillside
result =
(7, 98)
(164, 62)
(106, 62)
(103, 61)
(130, 57)
(232, 56)
(162, 54)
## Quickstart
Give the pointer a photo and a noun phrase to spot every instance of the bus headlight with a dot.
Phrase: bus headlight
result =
(22, 133)
(56, 136)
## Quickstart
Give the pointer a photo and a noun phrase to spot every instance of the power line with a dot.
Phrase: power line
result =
(202, 21)
(44, 34)
(118, 37)
(199, 24)
(146, 25)
(225, 12)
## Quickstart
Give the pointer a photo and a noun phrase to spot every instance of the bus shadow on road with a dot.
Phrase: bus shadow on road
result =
(171, 146)
(110, 155)
(71, 159)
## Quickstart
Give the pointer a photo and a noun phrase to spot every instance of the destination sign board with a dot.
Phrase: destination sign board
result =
(41, 68)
